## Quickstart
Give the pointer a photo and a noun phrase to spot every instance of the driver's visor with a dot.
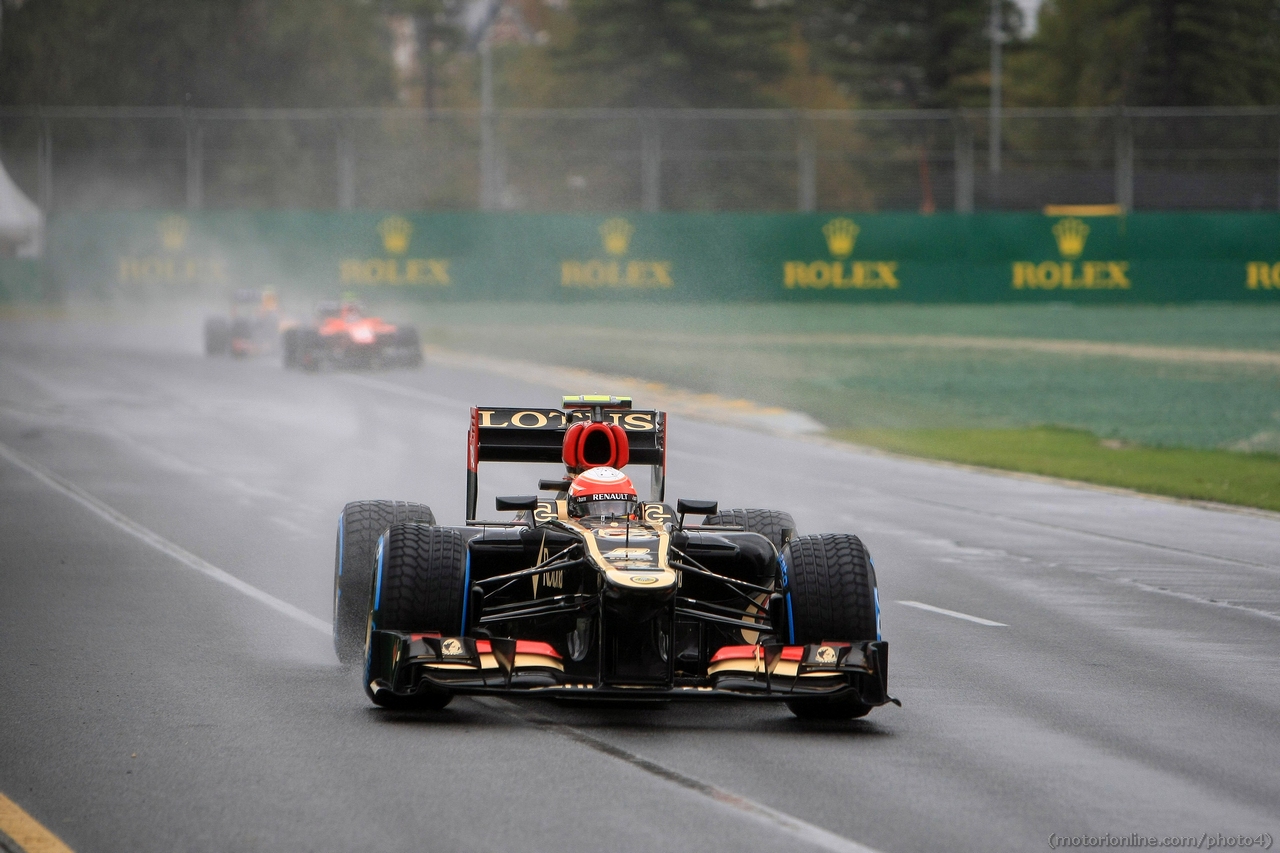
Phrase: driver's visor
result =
(603, 508)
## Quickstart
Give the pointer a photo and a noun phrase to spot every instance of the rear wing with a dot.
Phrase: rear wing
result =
(537, 435)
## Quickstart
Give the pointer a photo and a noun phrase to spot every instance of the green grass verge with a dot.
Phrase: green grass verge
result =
(1212, 475)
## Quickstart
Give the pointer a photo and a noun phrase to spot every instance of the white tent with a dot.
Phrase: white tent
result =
(21, 222)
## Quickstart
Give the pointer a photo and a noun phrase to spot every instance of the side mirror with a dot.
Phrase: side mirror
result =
(696, 507)
(553, 485)
(517, 503)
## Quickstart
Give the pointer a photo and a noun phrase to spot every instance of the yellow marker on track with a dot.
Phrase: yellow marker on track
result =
(26, 831)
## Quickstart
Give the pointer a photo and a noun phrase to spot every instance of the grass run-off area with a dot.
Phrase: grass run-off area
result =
(1211, 475)
(1174, 400)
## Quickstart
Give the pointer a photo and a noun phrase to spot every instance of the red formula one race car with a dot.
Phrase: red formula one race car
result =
(593, 593)
(344, 336)
(253, 327)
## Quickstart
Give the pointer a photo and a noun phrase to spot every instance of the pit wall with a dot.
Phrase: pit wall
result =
(887, 257)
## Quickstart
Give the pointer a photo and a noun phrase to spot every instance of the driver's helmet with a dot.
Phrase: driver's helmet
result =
(600, 492)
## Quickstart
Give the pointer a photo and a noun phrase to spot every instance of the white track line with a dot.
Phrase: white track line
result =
(794, 826)
(155, 540)
(953, 613)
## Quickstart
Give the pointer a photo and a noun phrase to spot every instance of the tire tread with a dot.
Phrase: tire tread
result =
(362, 523)
(769, 523)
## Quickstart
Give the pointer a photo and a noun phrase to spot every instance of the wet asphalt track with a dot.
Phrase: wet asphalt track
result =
(1133, 687)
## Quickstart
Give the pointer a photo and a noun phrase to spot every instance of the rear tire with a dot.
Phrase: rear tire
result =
(303, 349)
(217, 336)
(289, 348)
(833, 597)
(407, 339)
(359, 527)
(769, 523)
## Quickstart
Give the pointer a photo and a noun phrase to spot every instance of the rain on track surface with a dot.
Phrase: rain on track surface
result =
(1124, 695)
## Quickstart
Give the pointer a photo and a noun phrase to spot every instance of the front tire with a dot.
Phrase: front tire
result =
(359, 526)
(833, 597)
(420, 586)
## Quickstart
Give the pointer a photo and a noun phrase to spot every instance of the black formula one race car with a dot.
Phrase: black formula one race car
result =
(591, 593)
(253, 326)
(343, 335)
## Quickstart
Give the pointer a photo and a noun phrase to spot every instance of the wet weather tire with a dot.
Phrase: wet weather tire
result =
(769, 523)
(423, 582)
(419, 588)
(289, 348)
(410, 344)
(359, 527)
(833, 597)
(217, 336)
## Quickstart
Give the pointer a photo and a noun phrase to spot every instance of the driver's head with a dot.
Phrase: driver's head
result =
(600, 492)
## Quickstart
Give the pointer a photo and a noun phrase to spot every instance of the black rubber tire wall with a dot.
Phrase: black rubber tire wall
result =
(359, 527)
(833, 587)
(769, 523)
(289, 348)
(423, 579)
(217, 336)
(407, 336)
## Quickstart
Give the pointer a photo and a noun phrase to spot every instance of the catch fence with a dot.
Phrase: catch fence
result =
(596, 160)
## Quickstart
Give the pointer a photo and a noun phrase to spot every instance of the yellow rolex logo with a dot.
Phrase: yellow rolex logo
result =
(395, 231)
(1070, 234)
(841, 234)
(173, 232)
(616, 234)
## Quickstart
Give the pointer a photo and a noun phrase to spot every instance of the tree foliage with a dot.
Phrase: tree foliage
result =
(908, 53)
(673, 53)
(202, 52)
(1152, 53)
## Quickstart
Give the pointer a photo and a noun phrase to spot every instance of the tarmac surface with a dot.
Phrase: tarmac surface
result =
(167, 682)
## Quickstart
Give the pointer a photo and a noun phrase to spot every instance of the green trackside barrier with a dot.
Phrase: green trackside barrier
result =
(20, 281)
(887, 257)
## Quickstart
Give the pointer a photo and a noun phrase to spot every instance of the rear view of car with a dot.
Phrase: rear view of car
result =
(252, 326)
(344, 336)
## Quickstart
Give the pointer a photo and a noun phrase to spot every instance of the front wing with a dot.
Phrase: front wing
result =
(405, 665)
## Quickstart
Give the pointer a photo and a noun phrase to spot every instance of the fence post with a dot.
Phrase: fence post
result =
(964, 162)
(195, 165)
(806, 168)
(44, 167)
(346, 166)
(650, 163)
(488, 159)
(1124, 160)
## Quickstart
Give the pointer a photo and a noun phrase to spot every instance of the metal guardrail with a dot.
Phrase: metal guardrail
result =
(596, 159)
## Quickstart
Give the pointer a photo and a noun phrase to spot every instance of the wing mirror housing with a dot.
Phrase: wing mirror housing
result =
(516, 503)
(696, 507)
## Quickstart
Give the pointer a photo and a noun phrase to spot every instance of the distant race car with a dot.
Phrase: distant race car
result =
(344, 336)
(595, 594)
(252, 328)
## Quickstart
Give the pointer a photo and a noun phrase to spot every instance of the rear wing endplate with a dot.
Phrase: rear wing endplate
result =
(537, 435)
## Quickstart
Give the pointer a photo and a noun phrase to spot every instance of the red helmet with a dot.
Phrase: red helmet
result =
(600, 492)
